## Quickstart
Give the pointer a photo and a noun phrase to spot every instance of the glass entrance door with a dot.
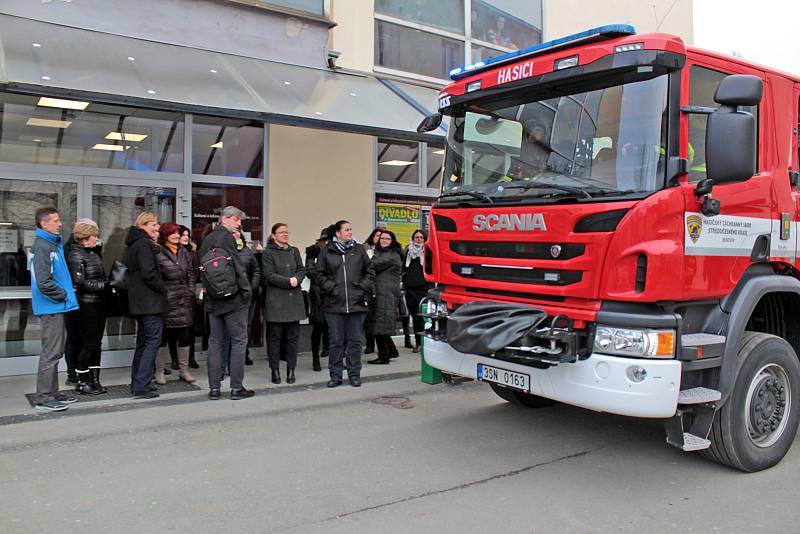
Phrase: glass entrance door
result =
(115, 204)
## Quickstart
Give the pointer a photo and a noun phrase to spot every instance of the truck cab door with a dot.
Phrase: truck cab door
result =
(794, 169)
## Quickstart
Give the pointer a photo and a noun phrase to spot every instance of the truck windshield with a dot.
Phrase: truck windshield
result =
(606, 142)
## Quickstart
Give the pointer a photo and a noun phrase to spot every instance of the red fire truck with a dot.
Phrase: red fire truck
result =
(617, 230)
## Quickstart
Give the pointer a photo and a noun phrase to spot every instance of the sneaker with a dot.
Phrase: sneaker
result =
(63, 398)
(51, 406)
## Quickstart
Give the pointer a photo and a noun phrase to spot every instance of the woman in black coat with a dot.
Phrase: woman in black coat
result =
(284, 272)
(86, 269)
(345, 276)
(146, 300)
(382, 319)
(414, 282)
(319, 328)
(179, 275)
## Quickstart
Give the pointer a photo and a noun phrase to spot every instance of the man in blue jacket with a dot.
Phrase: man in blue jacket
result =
(52, 296)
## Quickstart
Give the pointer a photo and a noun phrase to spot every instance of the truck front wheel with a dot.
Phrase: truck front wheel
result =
(521, 398)
(756, 427)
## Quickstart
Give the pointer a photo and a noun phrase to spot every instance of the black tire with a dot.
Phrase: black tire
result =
(521, 398)
(768, 382)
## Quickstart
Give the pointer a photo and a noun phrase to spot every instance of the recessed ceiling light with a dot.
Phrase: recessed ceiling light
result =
(48, 123)
(112, 148)
(216, 145)
(61, 103)
(125, 136)
(37, 45)
(131, 58)
(37, 140)
(440, 151)
(317, 113)
(397, 163)
(150, 92)
(353, 94)
(287, 83)
(46, 78)
(213, 71)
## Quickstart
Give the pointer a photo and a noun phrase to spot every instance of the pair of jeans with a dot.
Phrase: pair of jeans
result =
(53, 340)
(234, 325)
(148, 339)
(345, 331)
(276, 331)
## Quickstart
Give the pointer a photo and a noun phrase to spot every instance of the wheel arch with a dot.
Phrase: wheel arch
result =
(756, 305)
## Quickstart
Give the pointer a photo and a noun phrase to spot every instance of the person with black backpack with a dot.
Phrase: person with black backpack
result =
(227, 294)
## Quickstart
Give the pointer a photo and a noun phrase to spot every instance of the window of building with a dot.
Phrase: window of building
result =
(431, 37)
(227, 147)
(85, 134)
(703, 83)
(412, 50)
(209, 199)
(433, 177)
(498, 23)
(312, 6)
(398, 161)
(443, 14)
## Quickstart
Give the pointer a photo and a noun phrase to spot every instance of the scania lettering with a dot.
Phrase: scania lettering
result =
(618, 230)
(494, 222)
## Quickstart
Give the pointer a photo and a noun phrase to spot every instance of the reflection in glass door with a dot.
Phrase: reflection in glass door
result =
(115, 208)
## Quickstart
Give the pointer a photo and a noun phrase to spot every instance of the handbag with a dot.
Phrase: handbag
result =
(117, 296)
(118, 278)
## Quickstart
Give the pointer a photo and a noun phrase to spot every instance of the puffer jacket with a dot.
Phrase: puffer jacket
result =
(146, 290)
(382, 317)
(345, 279)
(179, 276)
(88, 275)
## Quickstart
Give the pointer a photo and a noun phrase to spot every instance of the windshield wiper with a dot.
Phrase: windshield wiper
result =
(473, 194)
(580, 193)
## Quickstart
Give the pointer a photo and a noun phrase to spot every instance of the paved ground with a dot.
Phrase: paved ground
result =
(393, 456)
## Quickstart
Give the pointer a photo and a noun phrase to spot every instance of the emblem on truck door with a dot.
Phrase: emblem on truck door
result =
(694, 225)
(505, 221)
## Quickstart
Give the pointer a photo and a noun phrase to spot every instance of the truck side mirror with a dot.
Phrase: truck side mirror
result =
(730, 133)
(430, 123)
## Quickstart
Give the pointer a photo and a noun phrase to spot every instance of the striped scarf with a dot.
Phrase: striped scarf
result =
(343, 246)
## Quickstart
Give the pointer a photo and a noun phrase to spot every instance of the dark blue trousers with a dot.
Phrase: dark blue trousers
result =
(148, 339)
(344, 331)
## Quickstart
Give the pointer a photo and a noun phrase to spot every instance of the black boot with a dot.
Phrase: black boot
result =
(192, 362)
(276, 376)
(407, 343)
(95, 374)
(316, 364)
(290, 375)
(85, 385)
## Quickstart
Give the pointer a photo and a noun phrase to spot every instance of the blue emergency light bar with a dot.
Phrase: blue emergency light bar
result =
(601, 33)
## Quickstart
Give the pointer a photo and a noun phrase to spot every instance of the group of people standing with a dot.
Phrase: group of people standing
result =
(165, 276)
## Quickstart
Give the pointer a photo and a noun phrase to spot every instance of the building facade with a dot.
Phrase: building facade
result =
(298, 111)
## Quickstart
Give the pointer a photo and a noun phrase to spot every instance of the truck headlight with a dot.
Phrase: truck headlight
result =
(635, 342)
(430, 308)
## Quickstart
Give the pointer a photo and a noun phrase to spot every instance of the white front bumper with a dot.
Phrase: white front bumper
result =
(599, 382)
